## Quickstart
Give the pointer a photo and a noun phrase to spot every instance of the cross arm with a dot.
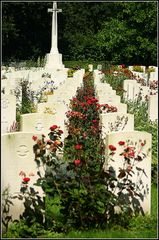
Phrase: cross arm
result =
(54, 10)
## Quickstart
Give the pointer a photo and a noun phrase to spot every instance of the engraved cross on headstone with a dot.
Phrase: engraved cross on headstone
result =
(4, 103)
(39, 126)
(22, 150)
(54, 12)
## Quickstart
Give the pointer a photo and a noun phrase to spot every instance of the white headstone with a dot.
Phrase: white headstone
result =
(115, 122)
(17, 155)
(132, 89)
(109, 99)
(153, 76)
(36, 122)
(8, 112)
(101, 85)
(57, 111)
(59, 76)
(142, 179)
(153, 107)
(99, 67)
(35, 76)
(102, 92)
(97, 76)
(145, 91)
(90, 67)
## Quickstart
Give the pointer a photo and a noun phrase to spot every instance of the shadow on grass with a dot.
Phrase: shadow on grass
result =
(140, 227)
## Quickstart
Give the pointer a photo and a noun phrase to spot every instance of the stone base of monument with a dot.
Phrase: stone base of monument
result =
(54, 61)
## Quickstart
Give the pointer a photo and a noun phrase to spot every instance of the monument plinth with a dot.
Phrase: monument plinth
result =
(54, 58)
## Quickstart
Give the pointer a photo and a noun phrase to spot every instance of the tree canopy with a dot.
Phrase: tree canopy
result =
(121, 32)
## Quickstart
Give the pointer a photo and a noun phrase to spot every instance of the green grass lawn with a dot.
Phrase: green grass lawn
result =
(113, 234)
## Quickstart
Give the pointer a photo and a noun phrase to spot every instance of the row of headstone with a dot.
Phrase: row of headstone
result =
(37, 79)
(118, 127)
(62, 94)
(106, 94)
(132, 90)
(17, 147)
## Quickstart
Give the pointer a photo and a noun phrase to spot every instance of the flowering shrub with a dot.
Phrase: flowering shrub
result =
(33, 203)
(75, 114)
(153, 87)
(120, 70)
(105, 108)
(115, 77)
(131, 154)
(89, 198)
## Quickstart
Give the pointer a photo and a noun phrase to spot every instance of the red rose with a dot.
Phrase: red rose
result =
(82, 104)
(112, 148)
(77, 162)
(78, 146)
(94, 121)
(131, 154)
(142, 144)
(26, 180)
(53, 127)
(89, 102)
(60, 131)
(34, 138)
(121, 142)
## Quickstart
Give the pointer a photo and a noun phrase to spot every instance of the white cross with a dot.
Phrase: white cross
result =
(23, 151)
(39, 126)
(54, 8)
(54, 12)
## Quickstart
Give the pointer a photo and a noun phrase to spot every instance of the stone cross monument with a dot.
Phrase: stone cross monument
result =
(54, 58)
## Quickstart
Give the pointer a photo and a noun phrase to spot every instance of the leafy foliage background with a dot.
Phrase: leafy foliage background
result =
(115, 31)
